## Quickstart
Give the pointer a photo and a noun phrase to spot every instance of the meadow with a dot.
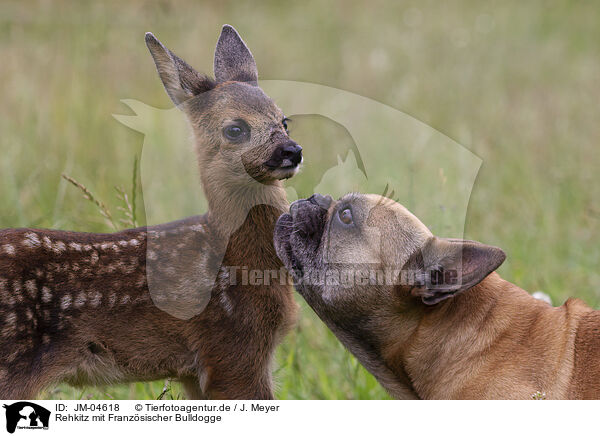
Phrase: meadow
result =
(514, 83)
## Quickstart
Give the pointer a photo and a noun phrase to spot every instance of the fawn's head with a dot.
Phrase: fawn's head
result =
(241, 135)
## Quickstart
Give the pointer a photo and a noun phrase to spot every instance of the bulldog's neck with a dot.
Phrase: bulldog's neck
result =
(468, 346)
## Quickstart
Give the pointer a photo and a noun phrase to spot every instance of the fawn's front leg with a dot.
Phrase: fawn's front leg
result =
(192, 388)
(224, 383)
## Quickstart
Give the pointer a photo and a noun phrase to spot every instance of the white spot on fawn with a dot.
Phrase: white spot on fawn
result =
(80, 300)
(134, 242)
(153, 234)
(75, 246)
(223, 280)
(198, 228)
(125, 299)
(46, 295)
(226, 302)
(65, 302)
(47, 242)
(31, 288)
(123, 243)
(59, 247)
(9, 249)
(94, 258)
(31, 240)
(96, 299)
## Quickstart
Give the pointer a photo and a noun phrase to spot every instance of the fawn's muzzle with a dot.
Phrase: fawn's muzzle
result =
(286, 155)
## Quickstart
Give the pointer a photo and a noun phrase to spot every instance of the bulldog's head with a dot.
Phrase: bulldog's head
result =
(362, 251)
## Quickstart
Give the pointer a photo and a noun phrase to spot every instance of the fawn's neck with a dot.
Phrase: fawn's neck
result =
(247, 212)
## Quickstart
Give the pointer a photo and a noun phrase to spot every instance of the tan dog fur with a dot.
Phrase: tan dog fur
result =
(483, 340)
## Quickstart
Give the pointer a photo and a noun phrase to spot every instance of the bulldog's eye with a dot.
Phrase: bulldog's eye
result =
(346, 216)
(237, 131)
(284, 122)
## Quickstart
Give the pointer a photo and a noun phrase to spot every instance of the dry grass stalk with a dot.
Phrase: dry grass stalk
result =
(88, 195)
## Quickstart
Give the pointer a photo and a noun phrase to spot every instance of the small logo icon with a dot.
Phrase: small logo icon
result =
(26, 415)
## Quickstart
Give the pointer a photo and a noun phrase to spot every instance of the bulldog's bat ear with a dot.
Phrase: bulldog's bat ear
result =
(449, 266)
(180, 80)
(233, 60)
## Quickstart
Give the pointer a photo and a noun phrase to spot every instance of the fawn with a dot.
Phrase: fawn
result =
(86, 308)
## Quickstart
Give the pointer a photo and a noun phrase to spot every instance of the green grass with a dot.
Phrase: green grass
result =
(514, 82)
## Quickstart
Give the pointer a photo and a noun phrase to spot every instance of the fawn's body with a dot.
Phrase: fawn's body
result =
(77, 308)
(104, 308)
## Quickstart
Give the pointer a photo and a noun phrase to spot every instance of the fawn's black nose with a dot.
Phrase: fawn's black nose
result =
(286, 155)
(293, 152)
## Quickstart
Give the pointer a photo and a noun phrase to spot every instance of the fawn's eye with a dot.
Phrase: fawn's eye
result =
(345, 216)
(284, 122)
(237, 131)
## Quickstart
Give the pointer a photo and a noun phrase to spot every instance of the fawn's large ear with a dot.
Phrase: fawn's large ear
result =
(233, 60)
(180, 80)
(449, 266)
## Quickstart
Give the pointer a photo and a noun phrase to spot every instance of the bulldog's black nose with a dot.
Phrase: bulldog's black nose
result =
(323, 201)
(294, 208)
(293, 152)
(308, 216)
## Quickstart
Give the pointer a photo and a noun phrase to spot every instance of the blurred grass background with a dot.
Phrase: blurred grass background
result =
(518, 83)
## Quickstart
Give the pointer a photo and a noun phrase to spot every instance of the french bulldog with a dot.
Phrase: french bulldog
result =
(429, 317)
